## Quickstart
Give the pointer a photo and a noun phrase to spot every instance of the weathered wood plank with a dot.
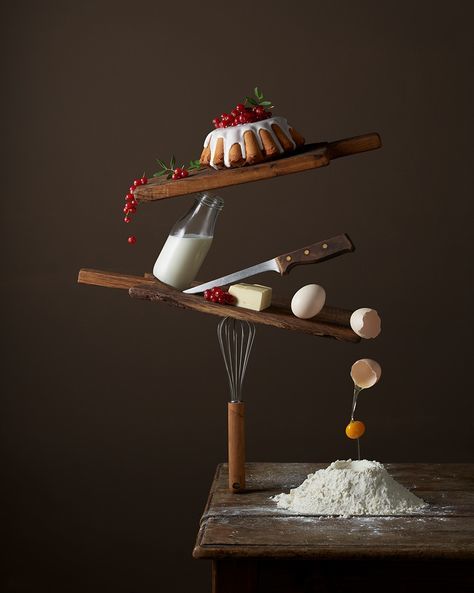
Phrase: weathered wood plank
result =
(112, 279)
(326, 324)
(443, 503)
(325, 537)
(311, 156)
(330, 322)
(424, 476)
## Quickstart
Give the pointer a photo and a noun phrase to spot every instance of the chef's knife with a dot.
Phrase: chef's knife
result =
(282, 264)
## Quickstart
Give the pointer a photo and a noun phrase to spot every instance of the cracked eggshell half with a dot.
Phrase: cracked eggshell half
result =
(366, 372)
(308, 301)
(366, 323)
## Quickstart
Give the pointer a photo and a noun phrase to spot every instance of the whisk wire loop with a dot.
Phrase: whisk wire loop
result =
(236, 340)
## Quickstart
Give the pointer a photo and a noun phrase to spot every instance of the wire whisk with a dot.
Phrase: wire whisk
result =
(235, 339)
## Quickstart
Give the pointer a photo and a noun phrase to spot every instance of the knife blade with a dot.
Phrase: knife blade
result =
(282, 264)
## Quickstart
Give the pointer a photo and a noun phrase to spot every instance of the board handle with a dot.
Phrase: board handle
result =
(348, 146)
(236, 429)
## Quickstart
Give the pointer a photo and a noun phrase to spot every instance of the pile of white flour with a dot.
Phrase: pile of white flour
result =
(350, 488)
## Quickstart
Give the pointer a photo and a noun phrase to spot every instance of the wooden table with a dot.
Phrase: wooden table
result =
(256, 547)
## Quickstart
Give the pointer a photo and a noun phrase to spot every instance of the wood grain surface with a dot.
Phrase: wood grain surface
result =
(310, 156)
(236, 445)
(249, 524)
(330, 322)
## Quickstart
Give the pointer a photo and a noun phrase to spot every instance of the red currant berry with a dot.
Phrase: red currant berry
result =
(136, 183)
(213, 298)
(129, 197)
(221, 299)
(132, 240)
(174, 176)
(131, 189)
(229, 298)
(240, 107)
(221, 124)
(184, 173)
(127, 219)
(126, 208)
(133, 203)
(143, 180)
(216, 120)
(207, 294)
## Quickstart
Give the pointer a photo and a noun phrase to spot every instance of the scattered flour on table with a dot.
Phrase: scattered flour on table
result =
(348, 488)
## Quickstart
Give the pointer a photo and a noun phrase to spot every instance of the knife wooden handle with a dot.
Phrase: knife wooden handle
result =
(315, 253)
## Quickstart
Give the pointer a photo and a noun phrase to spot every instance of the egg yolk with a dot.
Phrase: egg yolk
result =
(355, 429)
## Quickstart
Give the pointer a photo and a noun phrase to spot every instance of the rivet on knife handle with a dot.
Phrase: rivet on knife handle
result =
(315, 253)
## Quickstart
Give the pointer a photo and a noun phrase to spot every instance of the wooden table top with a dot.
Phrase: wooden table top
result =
(250, 525)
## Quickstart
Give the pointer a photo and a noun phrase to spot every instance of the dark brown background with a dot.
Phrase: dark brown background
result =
(113, 413)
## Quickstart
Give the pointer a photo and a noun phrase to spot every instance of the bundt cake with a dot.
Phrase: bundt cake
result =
(248, 135)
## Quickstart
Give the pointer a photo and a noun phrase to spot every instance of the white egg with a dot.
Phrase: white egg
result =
(308, 301)
(366, 323)
(366, 372)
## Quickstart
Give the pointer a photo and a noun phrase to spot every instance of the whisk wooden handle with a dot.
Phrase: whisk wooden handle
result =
(236, 428)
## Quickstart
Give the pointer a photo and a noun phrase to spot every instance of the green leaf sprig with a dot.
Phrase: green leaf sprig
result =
(258, 100)
(194, 165)
(168, 170)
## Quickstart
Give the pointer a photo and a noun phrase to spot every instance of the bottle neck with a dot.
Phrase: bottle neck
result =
(211, 201)
(200, 220)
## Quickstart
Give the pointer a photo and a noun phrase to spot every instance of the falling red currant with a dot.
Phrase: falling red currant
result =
(131, 203)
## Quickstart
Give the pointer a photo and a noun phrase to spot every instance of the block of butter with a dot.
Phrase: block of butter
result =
(251, 296)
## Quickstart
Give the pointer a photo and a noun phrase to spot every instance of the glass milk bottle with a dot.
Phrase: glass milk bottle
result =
(188, 243)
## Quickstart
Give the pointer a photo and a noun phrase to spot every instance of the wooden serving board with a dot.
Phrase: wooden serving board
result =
(330, 322)
(310, 156)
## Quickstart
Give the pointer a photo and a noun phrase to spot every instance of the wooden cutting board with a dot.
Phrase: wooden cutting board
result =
(330, 322)
(310, 156)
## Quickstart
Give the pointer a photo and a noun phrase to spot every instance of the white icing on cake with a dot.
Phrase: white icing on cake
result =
(235, 135)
